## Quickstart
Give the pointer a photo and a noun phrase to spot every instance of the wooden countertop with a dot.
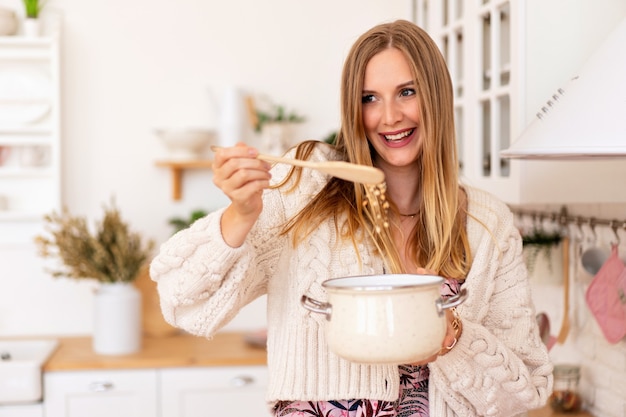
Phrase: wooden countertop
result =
(180, 350)
(548, 412)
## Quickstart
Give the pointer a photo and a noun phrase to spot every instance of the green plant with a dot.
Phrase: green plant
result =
(331, 138)
(539, 242)
(33, 7)
(276, 114)
(180, 223)
(110, 254)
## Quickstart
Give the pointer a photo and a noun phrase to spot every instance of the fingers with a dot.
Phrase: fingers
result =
(449, 339)
(241, 176)
(424, 271)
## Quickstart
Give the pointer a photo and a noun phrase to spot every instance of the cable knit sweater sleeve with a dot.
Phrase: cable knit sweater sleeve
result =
(499, 366)
(203, 282)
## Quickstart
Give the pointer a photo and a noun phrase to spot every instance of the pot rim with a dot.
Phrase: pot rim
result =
(382, 282)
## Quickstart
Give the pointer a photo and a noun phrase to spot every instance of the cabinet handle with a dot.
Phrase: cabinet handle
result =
(100, 386)
(242, 381)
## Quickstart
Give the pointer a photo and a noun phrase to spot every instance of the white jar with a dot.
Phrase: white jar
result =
(117, 319)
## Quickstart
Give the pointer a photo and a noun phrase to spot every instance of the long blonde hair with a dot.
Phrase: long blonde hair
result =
(439, 240)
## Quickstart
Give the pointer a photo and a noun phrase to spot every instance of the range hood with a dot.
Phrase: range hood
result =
(587, 117)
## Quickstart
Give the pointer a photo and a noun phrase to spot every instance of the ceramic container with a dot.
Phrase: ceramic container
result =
(8, 22)
(186, 143)
(117, 319)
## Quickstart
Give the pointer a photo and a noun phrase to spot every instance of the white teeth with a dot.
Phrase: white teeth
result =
(398, 136)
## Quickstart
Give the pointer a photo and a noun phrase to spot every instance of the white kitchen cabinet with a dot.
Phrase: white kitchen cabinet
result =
(30, 155)
(507, 58)
(230, 391)
(214, 392)
(477, 39)
(117, 393)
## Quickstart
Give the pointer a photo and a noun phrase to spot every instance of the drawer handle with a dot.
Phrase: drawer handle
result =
(242, 381)
(101, 386)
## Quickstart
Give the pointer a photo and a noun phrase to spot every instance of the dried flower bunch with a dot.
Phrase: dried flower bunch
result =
(112, 254)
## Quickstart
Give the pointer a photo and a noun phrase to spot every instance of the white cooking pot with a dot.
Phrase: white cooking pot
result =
(384, 319)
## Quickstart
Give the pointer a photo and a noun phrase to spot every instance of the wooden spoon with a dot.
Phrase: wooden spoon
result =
(565, 324)
(362, 174)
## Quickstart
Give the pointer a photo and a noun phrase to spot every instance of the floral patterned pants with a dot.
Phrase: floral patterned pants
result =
(413, 401)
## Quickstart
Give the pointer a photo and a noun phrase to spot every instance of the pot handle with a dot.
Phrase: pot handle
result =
(451, 302)
(316, 306)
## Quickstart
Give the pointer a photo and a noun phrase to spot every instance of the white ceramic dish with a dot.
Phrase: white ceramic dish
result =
(185, 144)
(25, 95)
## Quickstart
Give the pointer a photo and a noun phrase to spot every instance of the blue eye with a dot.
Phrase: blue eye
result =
(407, 92)
(368, 98)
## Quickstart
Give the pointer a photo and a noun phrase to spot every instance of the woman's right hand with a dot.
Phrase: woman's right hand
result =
(242, 177)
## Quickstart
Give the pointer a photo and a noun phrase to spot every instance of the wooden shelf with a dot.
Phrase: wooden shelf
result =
(177, 168)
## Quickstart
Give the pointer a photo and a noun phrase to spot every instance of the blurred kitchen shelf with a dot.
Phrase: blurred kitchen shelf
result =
(20, 216)
(19, 172)
(178, 167)
(25, 48)
(30, 69)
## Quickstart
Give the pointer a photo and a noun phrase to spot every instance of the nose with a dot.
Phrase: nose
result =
(392, 113)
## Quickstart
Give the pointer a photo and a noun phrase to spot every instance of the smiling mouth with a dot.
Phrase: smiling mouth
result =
(399, 136)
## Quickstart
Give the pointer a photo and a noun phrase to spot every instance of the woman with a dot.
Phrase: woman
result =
(288, 230)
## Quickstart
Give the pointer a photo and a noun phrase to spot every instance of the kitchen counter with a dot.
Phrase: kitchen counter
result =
(547, 412)
(179, 350)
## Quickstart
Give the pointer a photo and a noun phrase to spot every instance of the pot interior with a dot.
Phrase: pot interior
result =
(383, 282)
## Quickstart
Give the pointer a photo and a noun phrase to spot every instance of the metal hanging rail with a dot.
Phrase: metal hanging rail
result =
(564, 218)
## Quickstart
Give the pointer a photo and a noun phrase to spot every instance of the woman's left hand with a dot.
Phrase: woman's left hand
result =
(450, 339)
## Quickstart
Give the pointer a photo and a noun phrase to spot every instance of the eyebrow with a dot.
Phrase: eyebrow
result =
(406, 84)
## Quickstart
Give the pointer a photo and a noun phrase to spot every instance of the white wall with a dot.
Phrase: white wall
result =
(130, 67)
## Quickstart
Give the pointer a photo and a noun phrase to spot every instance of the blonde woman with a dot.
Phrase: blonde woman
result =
(288, 230)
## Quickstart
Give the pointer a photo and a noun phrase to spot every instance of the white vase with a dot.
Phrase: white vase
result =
(117, 319)
(231, 123)
(31, 27)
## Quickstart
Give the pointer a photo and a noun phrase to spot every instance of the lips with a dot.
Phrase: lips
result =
(399, 136)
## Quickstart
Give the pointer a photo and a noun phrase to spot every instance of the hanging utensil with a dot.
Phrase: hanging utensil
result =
(361, 174)
(565, 325)
(543, 321)
(594, 255)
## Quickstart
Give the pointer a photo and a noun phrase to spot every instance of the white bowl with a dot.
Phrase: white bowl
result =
(186, 143)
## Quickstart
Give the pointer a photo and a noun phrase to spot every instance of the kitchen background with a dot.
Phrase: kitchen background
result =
(129, 68)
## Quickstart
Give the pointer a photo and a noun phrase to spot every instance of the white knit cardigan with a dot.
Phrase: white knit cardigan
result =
(499, 367)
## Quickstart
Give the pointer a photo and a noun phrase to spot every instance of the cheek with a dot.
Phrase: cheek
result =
(370, 119)
(413, 112)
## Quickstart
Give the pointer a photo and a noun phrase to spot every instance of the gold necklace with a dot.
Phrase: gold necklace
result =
(408, 215)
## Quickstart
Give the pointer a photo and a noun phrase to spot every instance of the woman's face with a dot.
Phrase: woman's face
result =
(391, 109)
